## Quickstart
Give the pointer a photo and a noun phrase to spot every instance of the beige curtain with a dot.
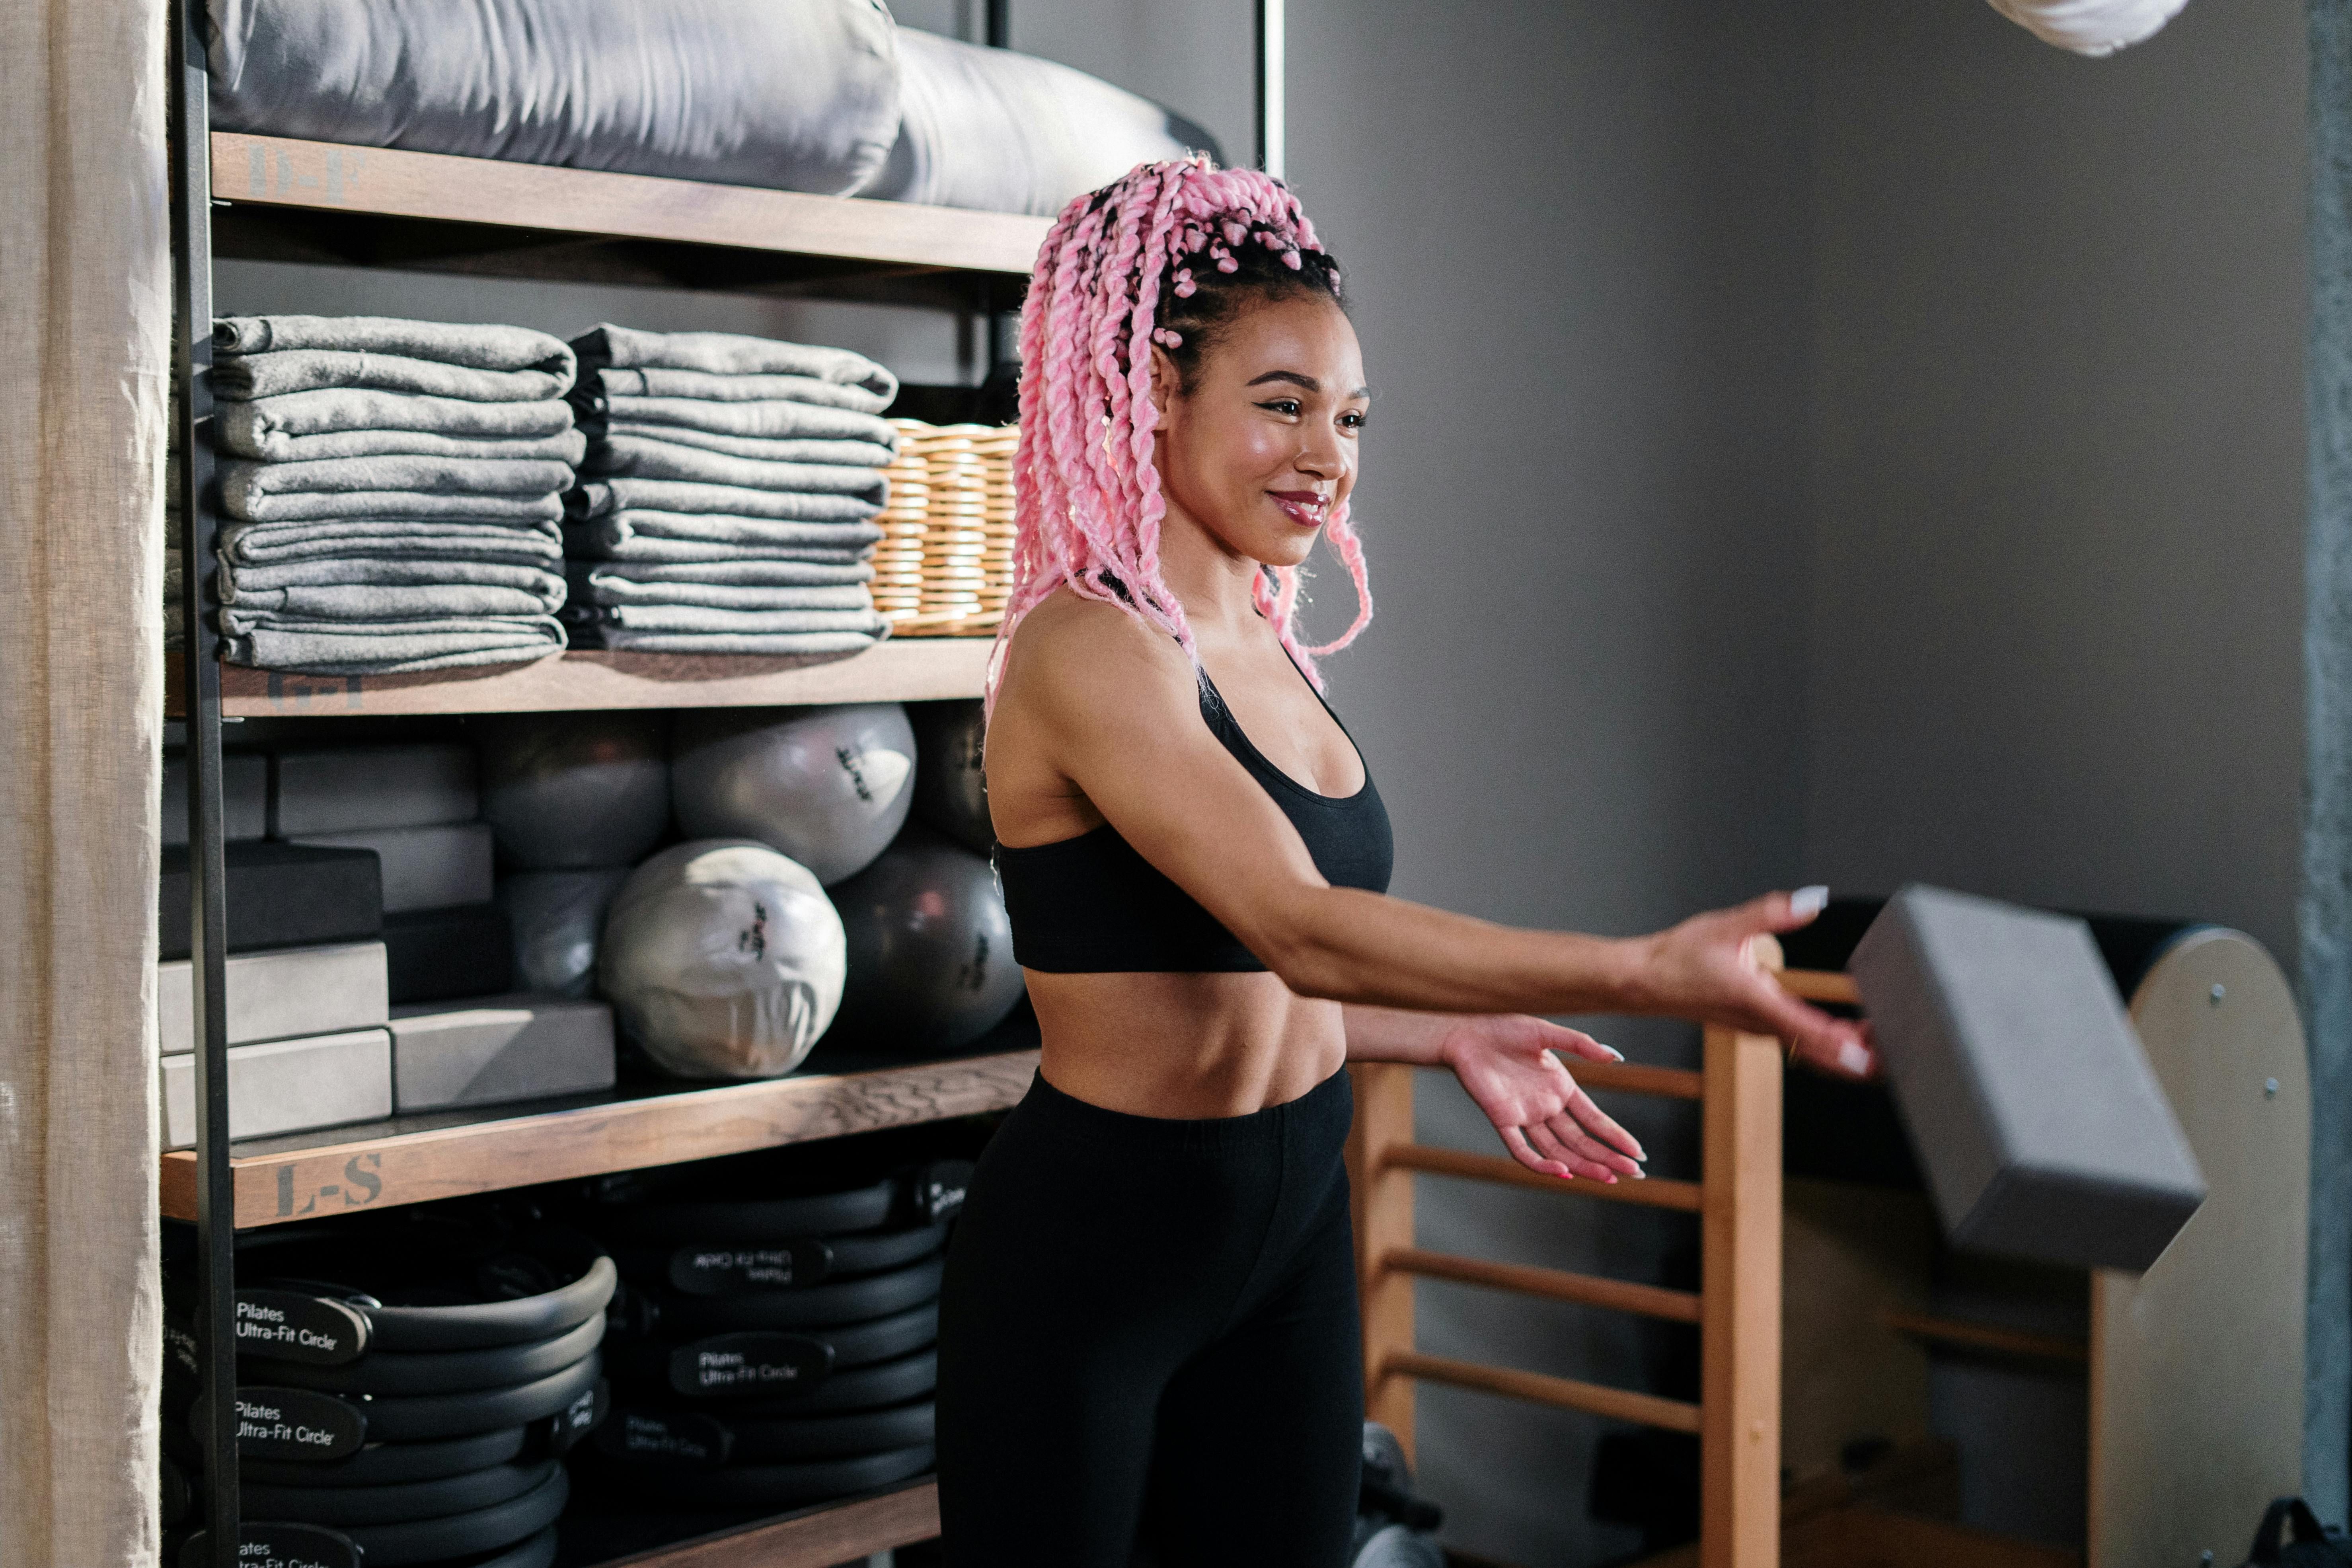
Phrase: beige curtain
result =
(85, 324)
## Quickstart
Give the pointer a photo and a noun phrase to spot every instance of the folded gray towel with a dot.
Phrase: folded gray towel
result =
(763, 573)
(766, 449)
(613, 381)
(598, 589)
(602, 497)
(247, 376)
(564, 446)
(701, 618)
(365, 570)
(251, 429)
(406, 506)
(594, 536)
(788, 644)
(451, 343)
(638, 457)
(268, 543)
(729, 354)
(243, 480)
(641, 550)
(385, 602)
(797, 421)
(335, 647)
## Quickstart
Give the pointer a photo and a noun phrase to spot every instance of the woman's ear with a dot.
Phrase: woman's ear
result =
(1164, 381)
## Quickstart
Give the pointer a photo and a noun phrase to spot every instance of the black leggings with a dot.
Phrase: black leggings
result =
(1138, 1308)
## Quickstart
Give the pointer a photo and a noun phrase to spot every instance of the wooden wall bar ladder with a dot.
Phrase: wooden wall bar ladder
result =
(1737, 1307)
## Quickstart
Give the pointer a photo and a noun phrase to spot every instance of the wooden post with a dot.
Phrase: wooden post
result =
(1381, 1195)
(1739, 1438)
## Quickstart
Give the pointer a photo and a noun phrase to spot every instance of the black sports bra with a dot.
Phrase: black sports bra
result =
(1092, 905)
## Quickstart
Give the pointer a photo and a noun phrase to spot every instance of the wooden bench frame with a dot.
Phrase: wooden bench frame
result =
(1737, 1307)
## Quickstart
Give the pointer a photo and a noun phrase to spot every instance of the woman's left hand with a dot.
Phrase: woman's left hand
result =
(1549, 1124)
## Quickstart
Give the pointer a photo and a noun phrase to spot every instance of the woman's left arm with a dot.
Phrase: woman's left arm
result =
(1506, 1062)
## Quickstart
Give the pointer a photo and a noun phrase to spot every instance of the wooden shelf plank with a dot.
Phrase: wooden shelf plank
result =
(422, 1158)
(276, 172)
(913, 670)
(818, 1537)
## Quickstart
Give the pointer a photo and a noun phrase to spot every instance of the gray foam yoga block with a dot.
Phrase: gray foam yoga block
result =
(497, 1048)
(424, 868)
(350, 789)
(245, 797)
(276, 995)
(287, 1086)
(2042, 1129)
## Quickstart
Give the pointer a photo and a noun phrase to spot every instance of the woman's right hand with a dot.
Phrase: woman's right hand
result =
(1708, 968)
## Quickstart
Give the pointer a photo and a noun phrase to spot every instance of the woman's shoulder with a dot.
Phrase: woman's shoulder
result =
(1071, 648)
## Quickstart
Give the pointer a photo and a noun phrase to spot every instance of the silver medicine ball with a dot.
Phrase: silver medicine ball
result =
(828, 786)
(723, 959)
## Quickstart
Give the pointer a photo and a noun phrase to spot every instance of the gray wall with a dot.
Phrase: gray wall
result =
(2058, 461)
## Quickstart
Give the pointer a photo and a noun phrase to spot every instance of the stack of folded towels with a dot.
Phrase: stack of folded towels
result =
(389, 491)
(727, 500)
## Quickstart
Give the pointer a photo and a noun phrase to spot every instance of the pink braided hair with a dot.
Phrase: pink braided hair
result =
(1087, 496)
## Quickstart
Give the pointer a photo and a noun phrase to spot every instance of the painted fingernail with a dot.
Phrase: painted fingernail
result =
(1614, 1054)
(1854, 1058)
(1807, 902)
(1639, 1174)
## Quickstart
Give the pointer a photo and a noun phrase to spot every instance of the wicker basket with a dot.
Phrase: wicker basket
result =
(944, 567)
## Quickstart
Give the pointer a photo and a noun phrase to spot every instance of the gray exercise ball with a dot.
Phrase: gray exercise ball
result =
(722, 959)
(557, 918)
(574, 791)
(828, 786)
(950, 786)
(931, 950)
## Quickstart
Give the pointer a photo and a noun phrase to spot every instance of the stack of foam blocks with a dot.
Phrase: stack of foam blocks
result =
(369, 968)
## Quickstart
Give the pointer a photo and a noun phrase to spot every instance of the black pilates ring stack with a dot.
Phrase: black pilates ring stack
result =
(773, 1352)
(410, 1404)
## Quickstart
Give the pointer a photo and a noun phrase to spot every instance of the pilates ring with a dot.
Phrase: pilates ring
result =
(441, 1372)
(344, 1507)
(735, 1268)
(820, 1306)
(538, 1552)
(464, 1535)
(890, 1382)
(633, 1211)
(787, 1486)
(301, 1425)
(391, 1464)
(473, 1325)
(697, 1439)
(761, 1364)
(174, 1493)
(272, 1540)
(413, 1419)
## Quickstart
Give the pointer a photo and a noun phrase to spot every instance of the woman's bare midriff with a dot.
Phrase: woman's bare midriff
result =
(1184, 1045)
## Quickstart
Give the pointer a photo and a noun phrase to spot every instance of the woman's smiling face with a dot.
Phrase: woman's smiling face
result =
(1261, 448)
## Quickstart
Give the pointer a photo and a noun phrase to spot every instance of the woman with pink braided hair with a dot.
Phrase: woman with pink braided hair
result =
(1148, 1332)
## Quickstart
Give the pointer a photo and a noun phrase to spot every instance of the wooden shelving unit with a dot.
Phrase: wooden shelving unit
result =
(914, 670)
(417, 1159)
(282, 199)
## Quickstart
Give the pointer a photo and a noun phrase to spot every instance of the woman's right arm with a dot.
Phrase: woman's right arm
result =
(1114, 710)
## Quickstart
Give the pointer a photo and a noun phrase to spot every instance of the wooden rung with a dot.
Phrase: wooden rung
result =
(1558, 1284)
(1656, 1192)
(1629, 1078)
(1821, 985)
(1564, 1392)
(1988, 1337)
